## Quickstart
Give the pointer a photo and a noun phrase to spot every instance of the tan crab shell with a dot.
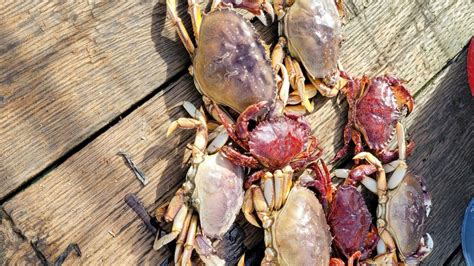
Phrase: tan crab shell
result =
(313, 31)
(406, 214)
(219, 193)
(300, 232)
(231, 66)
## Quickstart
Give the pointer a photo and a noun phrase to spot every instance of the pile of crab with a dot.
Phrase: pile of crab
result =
(254, 151)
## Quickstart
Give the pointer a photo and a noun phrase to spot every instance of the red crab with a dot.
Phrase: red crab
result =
(375, 107)
(355, 237)
(277, 140)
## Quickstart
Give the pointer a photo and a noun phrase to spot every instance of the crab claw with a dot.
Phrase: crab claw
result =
(336, 262)
(248, 207)
(369, 158)
(402, 95)
(270, 13)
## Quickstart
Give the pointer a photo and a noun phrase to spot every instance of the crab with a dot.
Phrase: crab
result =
(375, 107)
(278, 140)
(311, 30)
(403, 206)
(230, 64)
(295, 227)
(355, 237)
(197, 219)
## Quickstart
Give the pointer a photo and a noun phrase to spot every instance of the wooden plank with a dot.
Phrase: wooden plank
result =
(83, 197)
(14, 249)
(457, 259)
(443, 127)
(352, 8)
(67, 69)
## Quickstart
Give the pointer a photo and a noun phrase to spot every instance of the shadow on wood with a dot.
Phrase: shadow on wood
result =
(443, 130)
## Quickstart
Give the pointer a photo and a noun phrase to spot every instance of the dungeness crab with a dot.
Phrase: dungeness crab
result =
(211, 179)
(277, 141)
(375, 107)
(230, 63)
(296, 232)
(312, 33)
(351, 223)
(403, 207)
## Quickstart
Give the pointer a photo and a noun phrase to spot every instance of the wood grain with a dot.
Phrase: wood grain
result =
(14, 248)
(443, 127)
(67, 69)
(457, 259)
(82, 199)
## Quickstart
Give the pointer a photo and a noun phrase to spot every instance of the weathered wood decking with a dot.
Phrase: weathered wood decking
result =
(67, 72)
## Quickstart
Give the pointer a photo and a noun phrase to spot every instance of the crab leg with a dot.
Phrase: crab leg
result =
(323, 181)
(279, 6)
(253, 178)
(347, 140)
(354, 257)
(228, 126)
(259, 203)
(389, 156)
(382, 195)
(279, 188)
(323, 89)
(300, 86)
(278, 53)
(182, 238)
(356, 138)
(219, 139)
(263, 212)
(381, 178)
(287, 182)
(178, 225)
(178, 24)
(238, 158)
(285, 85)
(192, 110)
(200, 124)
(401, 169)
(190, 238)
(174, 205)
(249, 113)
(268, 190)
(248, 207)
(310, 90)
(195, 11)
(360, 173)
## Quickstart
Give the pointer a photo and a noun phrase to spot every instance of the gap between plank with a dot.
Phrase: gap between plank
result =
(453, 254)
(162, 88)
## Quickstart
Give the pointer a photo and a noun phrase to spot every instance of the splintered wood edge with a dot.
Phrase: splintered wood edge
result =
(14, 249)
